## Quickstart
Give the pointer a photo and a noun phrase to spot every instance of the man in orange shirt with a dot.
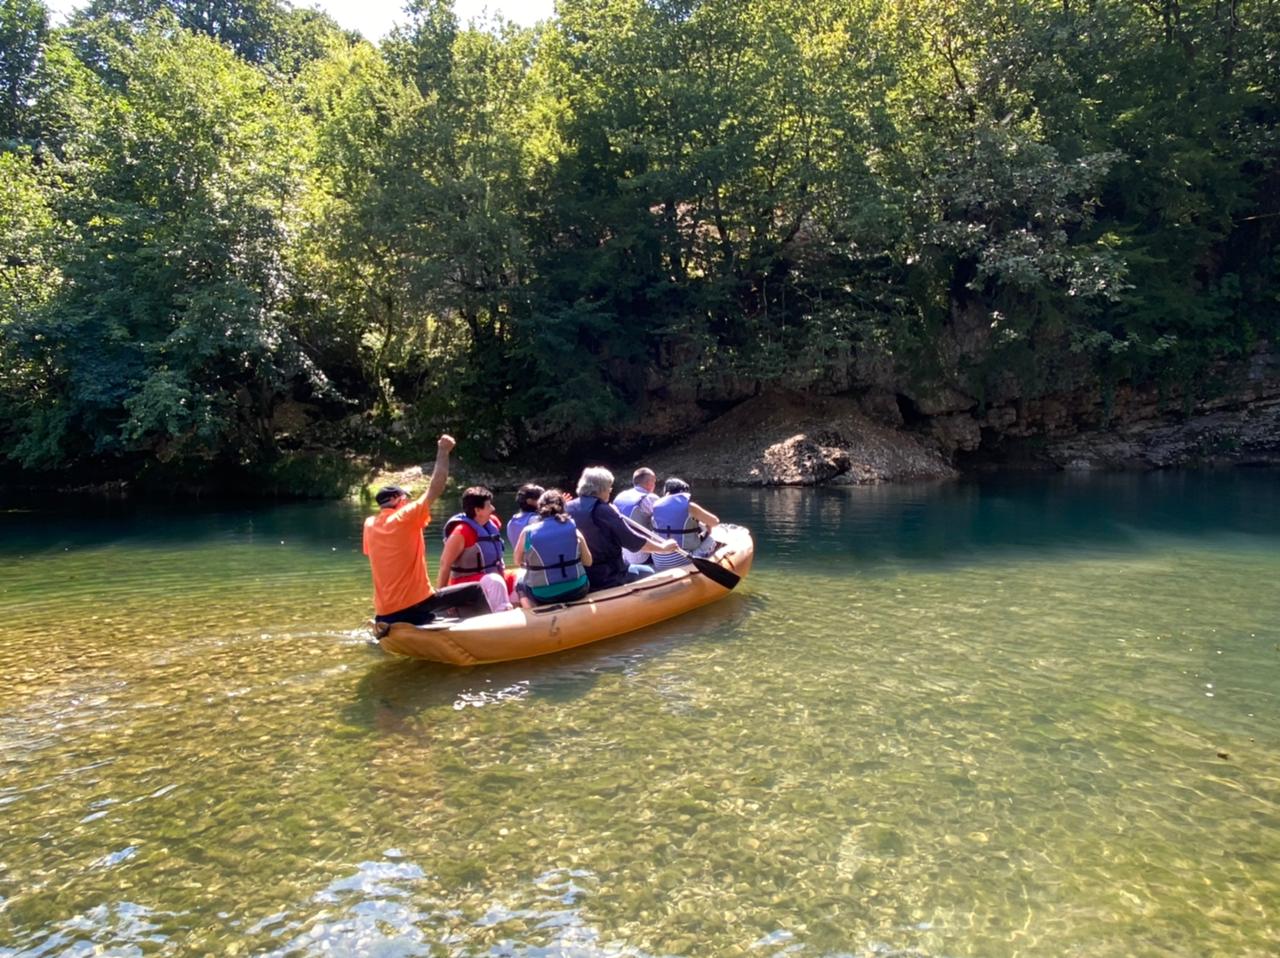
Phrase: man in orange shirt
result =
(397, 556)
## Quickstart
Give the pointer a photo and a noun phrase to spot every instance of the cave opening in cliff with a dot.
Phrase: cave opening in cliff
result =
(911, 414)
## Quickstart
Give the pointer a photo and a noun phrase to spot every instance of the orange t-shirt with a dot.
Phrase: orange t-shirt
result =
(398, 557)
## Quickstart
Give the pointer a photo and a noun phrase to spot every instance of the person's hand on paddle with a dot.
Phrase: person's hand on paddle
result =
(666, 545)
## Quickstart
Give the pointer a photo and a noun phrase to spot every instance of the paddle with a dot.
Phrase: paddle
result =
(712, 570)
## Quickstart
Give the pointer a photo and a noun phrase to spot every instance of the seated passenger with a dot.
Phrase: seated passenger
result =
(526, 510)
(554, 555)
(473, 550)
(677, 517)
(606, 532)
(636, 504)
(393, 542)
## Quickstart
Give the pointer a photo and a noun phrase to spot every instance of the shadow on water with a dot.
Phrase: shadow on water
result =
(94, 525)
(397, 689)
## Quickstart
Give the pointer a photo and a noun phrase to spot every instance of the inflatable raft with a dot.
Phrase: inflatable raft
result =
(522, 633)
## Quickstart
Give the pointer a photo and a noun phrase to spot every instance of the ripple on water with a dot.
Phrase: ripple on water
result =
(909, 733)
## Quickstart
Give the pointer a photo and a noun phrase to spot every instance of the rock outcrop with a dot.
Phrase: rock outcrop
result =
(789, 439)
(1143, 427)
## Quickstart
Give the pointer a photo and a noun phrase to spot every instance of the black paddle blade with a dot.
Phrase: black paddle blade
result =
(716, 572)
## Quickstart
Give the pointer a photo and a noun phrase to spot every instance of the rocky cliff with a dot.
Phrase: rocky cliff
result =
(792, 438)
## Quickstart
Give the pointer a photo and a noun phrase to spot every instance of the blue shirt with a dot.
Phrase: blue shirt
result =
(607, 535)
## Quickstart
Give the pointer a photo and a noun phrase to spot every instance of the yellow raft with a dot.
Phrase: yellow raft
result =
(522, 633)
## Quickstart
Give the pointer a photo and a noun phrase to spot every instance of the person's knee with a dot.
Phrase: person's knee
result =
(635, 572)
(494, 585)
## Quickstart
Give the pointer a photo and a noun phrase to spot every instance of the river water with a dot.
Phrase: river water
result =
(1032, 717)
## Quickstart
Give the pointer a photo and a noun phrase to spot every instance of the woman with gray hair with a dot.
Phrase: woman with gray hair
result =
(607, 533)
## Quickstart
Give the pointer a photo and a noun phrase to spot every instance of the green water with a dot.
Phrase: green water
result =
(935, 721)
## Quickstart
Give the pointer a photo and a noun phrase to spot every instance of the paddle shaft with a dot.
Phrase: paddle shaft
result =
(712, 570)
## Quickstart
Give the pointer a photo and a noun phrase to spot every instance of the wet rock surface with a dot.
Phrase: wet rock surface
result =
(792, 438)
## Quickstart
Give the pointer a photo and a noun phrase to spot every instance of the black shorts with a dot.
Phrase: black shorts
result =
(459, 601)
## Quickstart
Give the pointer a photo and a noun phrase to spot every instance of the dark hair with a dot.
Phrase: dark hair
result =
(387, 495)
(474, 498)
(529, 491)
(673, 486)
(551, 503)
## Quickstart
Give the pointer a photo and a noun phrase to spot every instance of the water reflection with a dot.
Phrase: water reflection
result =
(392, 907)
(972, 719)
(872, 530)
(119, 928)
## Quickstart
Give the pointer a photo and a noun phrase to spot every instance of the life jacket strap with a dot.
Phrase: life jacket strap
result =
(562, 564)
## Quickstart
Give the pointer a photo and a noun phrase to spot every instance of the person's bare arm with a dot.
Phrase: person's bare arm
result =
(452, 549)
(660, 545)
(584, 551)
(708, 519)
(440, 472)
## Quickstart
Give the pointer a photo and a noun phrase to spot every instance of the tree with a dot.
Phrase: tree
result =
(24, 29)
(262, 32)
(168, 339)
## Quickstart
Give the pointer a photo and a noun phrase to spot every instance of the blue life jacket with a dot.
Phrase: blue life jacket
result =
(626, 502)
(485, 556)
(671, 520)
(516, 525)
(551, 555)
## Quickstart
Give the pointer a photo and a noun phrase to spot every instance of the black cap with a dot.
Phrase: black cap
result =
(387, 493)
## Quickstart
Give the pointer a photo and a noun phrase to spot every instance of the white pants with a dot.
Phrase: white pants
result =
(634, 558)
(494, 586)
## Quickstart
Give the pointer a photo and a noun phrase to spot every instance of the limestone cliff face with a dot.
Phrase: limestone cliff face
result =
(793, 438)
(1142, 427)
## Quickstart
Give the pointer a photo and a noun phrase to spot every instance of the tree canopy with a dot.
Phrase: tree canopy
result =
(234, 230)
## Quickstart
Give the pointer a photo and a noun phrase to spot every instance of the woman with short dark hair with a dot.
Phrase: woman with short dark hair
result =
(473, 549)
(526, 509)
(678, 517)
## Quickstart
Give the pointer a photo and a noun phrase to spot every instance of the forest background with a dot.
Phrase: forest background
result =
(241, 245)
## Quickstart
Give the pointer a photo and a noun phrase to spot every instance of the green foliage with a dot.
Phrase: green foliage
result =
(167, 337)
(525, 236)
(24, 28)
(304, 475)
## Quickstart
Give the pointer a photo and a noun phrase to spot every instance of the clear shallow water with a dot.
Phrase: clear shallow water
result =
(937, 721)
